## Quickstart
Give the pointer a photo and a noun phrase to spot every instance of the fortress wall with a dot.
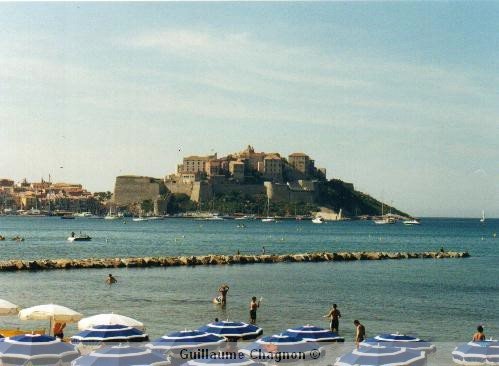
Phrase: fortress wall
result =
(135, 189)
(179, 187)
(249, 189)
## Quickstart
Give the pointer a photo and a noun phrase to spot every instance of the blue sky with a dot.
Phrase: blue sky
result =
(400, 98)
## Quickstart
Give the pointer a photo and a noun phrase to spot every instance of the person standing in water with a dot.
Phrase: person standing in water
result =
(335, 315)
(110, 279)
(360, 332)
(254, 304)
(223, 293)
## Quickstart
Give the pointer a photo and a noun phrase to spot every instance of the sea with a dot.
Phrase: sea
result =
(442, 300)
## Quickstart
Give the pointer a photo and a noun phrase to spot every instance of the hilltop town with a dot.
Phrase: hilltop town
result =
(245, 182)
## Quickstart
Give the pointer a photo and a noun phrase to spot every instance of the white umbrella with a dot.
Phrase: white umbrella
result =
(8, 308)
(109, 319)
(51, 312)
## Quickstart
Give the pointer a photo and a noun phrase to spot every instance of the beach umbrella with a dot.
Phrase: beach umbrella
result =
(289, 348)
(51, 312)
(121, 356)
(110, 333)
(8, 308)
(314, 334)
(109, 319)
(400, 340)
(228, 329)
(36, 349)
(185, 340)
(382, 356)
(477, 353)
(222, 361)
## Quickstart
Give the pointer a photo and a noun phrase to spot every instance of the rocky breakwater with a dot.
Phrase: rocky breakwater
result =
(52, 264)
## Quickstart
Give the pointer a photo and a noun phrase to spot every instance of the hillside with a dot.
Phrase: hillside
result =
(337, 195)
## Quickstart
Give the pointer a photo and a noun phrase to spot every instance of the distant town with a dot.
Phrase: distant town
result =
(245, 182)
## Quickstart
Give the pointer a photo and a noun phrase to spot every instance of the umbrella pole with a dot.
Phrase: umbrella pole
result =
(50, 325)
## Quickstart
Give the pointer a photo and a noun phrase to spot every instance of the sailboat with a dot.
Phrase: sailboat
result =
(268, 218)
(384, 220)
(482, 220)
(110, 215)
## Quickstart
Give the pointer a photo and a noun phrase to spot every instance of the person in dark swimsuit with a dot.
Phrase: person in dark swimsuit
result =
(254, 304)
(335, 315)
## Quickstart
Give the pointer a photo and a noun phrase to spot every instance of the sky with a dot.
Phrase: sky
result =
(399, 98)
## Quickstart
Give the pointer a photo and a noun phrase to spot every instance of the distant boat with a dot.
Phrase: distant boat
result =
(318, 220)
(83, 214)
(81, 237)
(140, 218)
(411, 222)
(67, 217)
(482, 220)
(384, 219)
(245, 217)
(111, 216)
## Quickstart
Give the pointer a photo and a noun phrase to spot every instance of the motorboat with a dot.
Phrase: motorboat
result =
(318, 220)
(80, 237)
(84, 214)
(68, 217)
(268, 219)
(411, 222)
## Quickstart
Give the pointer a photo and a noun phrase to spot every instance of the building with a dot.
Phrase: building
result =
(195, 164)
(271, 168)
(302, 163)
(236, 169)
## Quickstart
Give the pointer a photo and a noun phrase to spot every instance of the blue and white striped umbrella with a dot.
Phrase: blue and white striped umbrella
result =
(222, 361)
(289, 348)
(121, 356)
(382, 356)
(110, 333)
(315, 334)
(232, 330)
(477, 353)
(186, 339)
(399, 340)
(36, 349)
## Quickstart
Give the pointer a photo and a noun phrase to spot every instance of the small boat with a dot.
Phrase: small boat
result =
(84, 214)
(411, 222)
(482, 220)
(268, 218)
(318, 220)
(385, 220)
(140, 218)
(80, 237)
(68, 217)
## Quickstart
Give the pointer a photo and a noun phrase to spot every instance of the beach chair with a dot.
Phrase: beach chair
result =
(13, 332)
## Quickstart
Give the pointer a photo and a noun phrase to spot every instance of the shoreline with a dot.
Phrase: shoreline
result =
(176, 261)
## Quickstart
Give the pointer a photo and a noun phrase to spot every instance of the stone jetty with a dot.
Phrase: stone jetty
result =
(52, 264)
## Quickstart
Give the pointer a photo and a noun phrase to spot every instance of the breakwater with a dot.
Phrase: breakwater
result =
(53, 264)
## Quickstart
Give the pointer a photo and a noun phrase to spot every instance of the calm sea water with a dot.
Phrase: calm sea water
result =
(442, 300)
